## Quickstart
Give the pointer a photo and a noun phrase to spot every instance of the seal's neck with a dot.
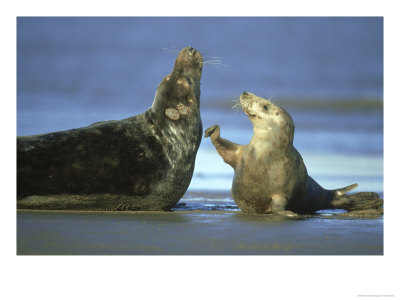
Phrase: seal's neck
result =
(270, 141)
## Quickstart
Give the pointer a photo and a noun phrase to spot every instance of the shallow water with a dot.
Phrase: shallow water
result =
(196, 227)
(201, 223)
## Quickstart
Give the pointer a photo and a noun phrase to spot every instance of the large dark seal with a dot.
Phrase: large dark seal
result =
(270, 175)
(144, 162)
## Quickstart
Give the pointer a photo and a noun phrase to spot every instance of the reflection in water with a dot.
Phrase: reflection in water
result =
(194, 232)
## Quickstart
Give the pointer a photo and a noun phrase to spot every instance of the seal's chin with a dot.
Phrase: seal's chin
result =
(250, 115)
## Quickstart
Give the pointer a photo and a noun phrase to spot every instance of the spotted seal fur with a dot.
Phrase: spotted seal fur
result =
(144, 162)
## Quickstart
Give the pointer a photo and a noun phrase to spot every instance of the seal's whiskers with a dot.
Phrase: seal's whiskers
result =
(213, 60)
(236, 106)
(173, 49)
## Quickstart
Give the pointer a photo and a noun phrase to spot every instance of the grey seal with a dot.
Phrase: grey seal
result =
(144, 162)
(269, 173)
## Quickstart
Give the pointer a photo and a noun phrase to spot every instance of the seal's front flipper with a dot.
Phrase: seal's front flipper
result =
(278, 205)
(213, 130)
(358, 201)
(228, 150)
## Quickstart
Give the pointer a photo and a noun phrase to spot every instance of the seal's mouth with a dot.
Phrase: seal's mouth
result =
(249, 112)
(250, 115)
(246, 103)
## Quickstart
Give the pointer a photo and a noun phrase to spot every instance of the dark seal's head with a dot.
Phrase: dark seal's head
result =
(178, 95)
(268, 118)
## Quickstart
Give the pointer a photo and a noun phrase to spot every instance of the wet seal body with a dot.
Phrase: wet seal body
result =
(144, 162)
(270, 175)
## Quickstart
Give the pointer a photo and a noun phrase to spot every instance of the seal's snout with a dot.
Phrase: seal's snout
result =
(191, 50)
(189, 62)
(247, 96)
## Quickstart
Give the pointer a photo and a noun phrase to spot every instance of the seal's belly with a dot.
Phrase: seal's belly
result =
(253, 186)
(250, 195)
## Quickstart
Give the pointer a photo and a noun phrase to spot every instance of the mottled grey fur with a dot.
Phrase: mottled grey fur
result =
(144, 162)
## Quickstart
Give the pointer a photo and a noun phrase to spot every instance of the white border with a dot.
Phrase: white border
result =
(256, 277)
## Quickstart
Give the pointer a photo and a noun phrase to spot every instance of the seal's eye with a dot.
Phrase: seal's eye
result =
(266, 107)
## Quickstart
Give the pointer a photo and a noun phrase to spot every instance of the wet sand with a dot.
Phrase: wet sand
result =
(196, 226)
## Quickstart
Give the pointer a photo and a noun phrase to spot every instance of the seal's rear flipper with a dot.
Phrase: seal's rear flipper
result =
(342, 191)
(358, 201)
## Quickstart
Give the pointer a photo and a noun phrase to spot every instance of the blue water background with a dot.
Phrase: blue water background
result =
(327, 72)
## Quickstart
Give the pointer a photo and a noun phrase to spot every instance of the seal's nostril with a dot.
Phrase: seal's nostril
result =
(192, 50)
(245, 93)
